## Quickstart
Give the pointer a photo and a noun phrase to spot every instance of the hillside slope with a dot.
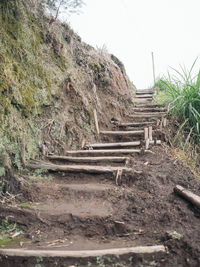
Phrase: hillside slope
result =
(50, 83)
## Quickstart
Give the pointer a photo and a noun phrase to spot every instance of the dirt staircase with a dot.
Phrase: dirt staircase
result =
(85, 201)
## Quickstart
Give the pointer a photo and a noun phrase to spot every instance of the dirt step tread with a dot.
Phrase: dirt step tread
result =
(82, 253)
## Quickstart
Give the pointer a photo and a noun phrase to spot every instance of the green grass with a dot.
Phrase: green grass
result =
(182, 92)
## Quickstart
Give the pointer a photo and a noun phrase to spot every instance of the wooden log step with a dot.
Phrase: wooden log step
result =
(149, 109)
(104, 151)
(149, 105)
(148, 115)
(137, 132)
(117, 145)
(89, 159)
(144, 96)
(82, 253)
(136, 124)
(76, 168)
(144, 92)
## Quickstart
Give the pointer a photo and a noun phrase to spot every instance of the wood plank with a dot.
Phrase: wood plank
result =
(106, 145)
(88, 159)
(76, 168)
(82, 253)
(137, 132)
(188, 195)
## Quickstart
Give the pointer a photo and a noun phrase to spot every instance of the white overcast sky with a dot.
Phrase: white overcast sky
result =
(132, 29)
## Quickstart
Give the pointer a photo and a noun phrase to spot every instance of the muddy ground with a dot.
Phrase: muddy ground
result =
(78, 212)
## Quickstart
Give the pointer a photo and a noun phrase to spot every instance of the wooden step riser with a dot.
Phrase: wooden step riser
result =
(84, 253)
(144, 92)
(122, 145)
(77, 168)
(104, 152)
(136, 124)
(149, 109)
(149, 105)
(148, 116)
(123, 133)
(90, 160)
(144, 96)
(113, 145)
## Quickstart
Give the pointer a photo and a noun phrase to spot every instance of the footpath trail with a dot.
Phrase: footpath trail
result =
(112, 202)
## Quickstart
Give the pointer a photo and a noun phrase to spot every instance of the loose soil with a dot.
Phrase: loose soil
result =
(82, 211)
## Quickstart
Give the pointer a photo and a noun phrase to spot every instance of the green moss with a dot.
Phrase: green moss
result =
(26, 204)
(8, 242)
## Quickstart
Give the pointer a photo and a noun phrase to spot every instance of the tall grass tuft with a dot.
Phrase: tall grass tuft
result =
(182, 92)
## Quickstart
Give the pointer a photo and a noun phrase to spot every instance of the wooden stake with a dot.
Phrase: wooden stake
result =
(146, 133)
(147, 144)
(96, 121)
(150, 133)
(194, 199)
(118, 178)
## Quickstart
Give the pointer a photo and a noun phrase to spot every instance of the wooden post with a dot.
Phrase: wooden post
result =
(153, 65)
(150, 133)
(96, 121)
(146, 133)
(118, 178)
(146, 137)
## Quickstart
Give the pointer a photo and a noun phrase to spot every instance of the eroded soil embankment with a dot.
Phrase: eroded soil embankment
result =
(74, 212)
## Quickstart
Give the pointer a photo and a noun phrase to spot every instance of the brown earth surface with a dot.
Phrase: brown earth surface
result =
(79, 212)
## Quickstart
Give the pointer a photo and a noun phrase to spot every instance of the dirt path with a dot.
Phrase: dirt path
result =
(88, 211)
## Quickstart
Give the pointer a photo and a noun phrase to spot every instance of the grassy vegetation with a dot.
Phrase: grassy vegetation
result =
(9, 234)
(182, 93)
